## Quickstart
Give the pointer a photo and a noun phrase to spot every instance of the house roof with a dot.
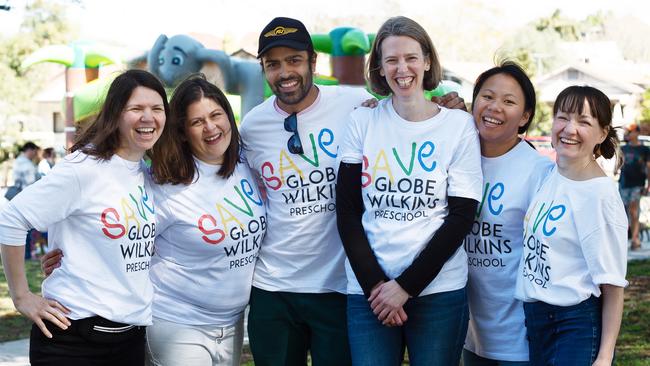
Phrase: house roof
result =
(551, 84)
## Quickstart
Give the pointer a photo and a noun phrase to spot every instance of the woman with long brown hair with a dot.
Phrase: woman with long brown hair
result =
(97, 207)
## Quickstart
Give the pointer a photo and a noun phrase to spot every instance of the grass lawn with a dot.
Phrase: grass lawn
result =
(633, 347)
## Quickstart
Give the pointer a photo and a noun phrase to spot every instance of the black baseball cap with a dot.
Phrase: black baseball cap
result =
(285, 32)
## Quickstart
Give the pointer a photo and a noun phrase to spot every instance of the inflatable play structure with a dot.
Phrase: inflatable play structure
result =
(82, 61)
(174, 58)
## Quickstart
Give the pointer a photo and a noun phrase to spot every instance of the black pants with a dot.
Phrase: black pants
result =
(92, 341)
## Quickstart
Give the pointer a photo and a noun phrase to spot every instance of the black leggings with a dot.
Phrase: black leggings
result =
(91, 341)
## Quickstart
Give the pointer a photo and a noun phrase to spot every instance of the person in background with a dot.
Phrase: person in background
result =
(25, 173)
(24, 170)
(47, 162)
(634, 179)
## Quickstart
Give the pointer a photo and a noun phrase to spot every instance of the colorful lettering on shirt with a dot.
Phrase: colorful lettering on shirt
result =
(536, 268)
(214, 231)
(486, 239)
(276, 175)
(133, 225)
(311, 189)
(234, 219)
(406, 198)
(115, 225)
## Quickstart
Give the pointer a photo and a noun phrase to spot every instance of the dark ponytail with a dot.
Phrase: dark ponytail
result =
(608, 147)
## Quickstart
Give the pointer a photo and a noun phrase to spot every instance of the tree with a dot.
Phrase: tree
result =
(567, 29)
(44, 24)
(541, 125)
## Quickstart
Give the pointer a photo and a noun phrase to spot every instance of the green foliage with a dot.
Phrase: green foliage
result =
(536, 51)
(536, 46)
(567, 29)
(541, 125)
(44, 24)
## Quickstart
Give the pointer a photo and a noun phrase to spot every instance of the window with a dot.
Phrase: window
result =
(58, 123)
(573, 74)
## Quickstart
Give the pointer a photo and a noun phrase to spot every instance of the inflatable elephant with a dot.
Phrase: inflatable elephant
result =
(173, 59)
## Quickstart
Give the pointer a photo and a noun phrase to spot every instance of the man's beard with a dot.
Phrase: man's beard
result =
(305, 84)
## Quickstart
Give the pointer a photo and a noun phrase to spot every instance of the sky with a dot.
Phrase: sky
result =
(137, 23)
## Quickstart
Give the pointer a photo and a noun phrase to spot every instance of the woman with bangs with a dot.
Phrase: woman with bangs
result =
(572, 273)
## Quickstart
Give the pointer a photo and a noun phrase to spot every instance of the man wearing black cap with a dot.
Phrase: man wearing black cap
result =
(297, 302)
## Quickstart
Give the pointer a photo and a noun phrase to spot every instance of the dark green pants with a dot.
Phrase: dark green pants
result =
(284, 326)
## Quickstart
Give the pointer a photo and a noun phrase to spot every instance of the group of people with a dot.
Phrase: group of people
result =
(353, 233)
(26, 172)
(25, 169)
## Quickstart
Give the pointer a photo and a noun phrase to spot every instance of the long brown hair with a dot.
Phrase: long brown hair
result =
(101, 138)
(172, 160)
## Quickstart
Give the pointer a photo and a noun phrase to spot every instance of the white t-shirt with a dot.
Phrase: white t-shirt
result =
(101, 215)
(302, 251)
(409, 169)
(494, 245)
(209, 234)
(575, 239)
(44, 167)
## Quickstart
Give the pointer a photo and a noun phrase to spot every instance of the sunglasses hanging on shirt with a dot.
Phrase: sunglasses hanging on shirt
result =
(291, 125)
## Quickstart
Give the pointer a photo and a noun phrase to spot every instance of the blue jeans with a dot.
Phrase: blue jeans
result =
(433, 334)
(472, 359)
(563, 335)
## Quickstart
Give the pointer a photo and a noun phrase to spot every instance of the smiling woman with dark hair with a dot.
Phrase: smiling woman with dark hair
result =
(97, 207)
(503, 107)
(209, 225)
(572, 272)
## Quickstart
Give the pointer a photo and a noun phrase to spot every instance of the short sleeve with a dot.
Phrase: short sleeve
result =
(351, 148)
(465, 176)
(605, 248)
(49, 200)
(541, 170)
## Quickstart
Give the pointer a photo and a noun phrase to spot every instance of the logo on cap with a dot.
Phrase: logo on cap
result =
(280, 31)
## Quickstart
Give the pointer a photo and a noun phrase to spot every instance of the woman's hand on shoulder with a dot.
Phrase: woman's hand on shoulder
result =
(451, 101)
(370, 103)
(38, 309)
